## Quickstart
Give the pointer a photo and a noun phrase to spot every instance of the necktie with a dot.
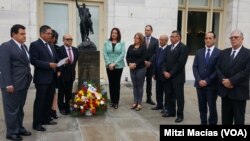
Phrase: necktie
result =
(50, 52)
(232, 56)
(172, 47)
(147, 41)
(207, 56)
(70, 56)
(24, 52)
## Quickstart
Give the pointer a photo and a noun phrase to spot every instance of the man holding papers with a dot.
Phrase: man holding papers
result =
(66, 73)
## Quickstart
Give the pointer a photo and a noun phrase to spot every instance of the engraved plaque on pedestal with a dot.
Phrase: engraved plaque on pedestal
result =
(89, 67)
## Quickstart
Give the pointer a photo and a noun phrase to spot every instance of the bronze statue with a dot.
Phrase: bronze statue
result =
(86, 22)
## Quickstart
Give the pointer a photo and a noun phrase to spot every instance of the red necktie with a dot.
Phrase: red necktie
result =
(70, 56)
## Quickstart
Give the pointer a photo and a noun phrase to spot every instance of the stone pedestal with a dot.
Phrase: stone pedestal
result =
(88, 67)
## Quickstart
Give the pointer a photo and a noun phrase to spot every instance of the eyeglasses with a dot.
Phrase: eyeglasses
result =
(234, 37)
(68, 39)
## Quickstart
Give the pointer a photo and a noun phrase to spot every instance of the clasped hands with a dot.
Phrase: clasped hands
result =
(132, 66)
(227, 83)
(111, 66)
(167, 75)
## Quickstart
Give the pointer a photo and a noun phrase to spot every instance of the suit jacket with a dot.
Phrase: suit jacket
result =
(68, 72)
(175, 62)
(203, 71)
(158, 61)
(152, 47)
(14, 67)
(237, 72)
(40, 57)
(116, 56)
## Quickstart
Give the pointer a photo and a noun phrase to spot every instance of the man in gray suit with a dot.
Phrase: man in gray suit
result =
(15, 79)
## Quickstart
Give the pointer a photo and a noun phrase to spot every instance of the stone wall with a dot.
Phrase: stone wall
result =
(131, 16)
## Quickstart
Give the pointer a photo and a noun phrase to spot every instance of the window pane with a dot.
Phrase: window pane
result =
(179, 22)
(56, 16)
(94, 11)
(217, 3)
(196, 30)
(180, 2)
(215, 26)
(198, 2)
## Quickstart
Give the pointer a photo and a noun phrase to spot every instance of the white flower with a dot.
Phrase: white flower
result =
(81, 107)
(102, 102)
(75, 106)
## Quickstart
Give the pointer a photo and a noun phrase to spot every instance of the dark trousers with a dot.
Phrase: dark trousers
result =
(175, 93)
(207, 98)
(64, 95)
(149, 75)
(233, 111)
(160, 91)
(13, 110)
(114, 78)
(43, 103)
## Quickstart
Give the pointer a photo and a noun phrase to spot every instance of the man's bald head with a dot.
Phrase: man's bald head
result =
(163, 40)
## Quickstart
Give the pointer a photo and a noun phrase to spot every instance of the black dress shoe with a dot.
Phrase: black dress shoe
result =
(168, 115)
(25, 133)
(14, 137)
(50, 123)
(156, 108)
(178, 119)
(150, 101)
(39, 128)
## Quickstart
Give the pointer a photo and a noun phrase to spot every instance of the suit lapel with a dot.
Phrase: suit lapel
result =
(46, 49)
(19, 51)
(237, 58)
(203, 55)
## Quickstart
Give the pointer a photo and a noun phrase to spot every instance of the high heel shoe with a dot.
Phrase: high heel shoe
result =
(138, 108)
(133, 106)
(53, 114)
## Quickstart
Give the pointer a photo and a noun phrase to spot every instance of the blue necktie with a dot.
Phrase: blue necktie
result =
(207, 56)
(232, 56)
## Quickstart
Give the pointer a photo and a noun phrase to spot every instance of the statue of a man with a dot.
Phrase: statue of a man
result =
(86, 23)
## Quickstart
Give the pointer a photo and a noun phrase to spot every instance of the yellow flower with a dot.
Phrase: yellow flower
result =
(81, 92)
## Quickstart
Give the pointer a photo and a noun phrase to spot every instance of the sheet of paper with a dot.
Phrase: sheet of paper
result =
(62, 62)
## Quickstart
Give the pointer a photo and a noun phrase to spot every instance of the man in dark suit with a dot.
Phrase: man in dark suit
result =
(15, 79)
(233, 71)
(67, 73)
(174, 72)
(152, 44)
(158, 72)
(206, 79)
(43, 57)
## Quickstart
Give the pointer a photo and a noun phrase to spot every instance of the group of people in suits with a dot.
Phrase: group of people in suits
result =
(216, 73)
(169, 72)
(224, 73)
(15, 78)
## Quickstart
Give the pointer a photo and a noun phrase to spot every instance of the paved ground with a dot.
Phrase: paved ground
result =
(122, 124)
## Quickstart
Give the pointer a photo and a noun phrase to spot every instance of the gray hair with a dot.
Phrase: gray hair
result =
(237, 31)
